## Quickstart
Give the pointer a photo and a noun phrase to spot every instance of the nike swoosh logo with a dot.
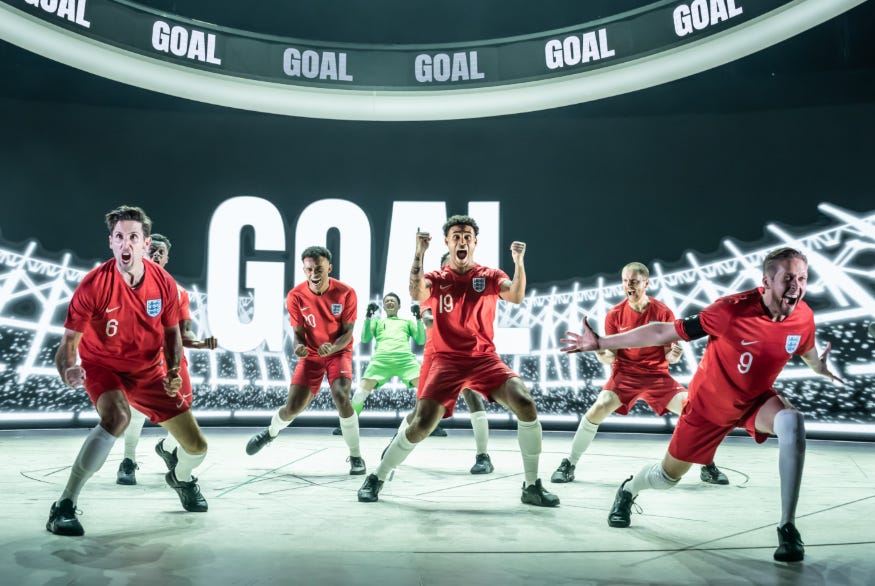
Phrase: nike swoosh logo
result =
(624, 329)
(445, 287)
(305, 308)
(746, 343)
(111, 309)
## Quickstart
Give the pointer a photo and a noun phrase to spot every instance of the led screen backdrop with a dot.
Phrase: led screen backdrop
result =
(697, 179)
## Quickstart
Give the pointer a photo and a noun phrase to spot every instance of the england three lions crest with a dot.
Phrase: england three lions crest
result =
(336, 308)
(153, 307)
(792, 343)
(479, 284)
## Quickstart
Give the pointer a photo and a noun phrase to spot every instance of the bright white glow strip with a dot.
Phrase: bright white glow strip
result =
(252, 414)
(36, 416)
(551, 418)
(860, 369)
(61, 45)
(211, 414)
(841, 428)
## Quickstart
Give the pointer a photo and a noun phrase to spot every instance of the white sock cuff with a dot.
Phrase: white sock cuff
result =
(477, 415)
(101, 434)
(528, 424)
(588, 425)
(348, 421)
(405, 443)
(277, 424)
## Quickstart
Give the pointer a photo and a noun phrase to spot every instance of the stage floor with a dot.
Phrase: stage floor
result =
(289, 515)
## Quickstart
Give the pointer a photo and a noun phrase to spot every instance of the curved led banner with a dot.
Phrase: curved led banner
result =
(660, 42)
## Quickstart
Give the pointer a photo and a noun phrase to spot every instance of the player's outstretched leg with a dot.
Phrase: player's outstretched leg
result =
(621, 510)
(261, 439)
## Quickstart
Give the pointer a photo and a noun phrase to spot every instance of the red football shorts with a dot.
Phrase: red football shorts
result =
(143, 389)
(695, 439)
(448, 375)
(311, 369)
(657, 390)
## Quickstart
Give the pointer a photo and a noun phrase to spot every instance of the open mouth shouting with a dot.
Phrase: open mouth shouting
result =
(791, 299)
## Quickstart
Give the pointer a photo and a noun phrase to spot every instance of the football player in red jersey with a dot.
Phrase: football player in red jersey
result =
(640, 373)
(122, 323)
(474, 402)
(463, 298)
(752, 335)
(322, 311)
(159, 253)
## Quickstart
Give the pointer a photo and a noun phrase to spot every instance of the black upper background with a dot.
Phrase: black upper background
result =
(644, 176)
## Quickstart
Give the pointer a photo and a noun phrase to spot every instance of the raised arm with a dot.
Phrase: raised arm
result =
(417, 327)
(419, 285)
(819, 363)
(515, 290)
(369, 328)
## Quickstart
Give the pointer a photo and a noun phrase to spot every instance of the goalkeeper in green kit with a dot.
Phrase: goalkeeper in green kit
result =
(392, 354)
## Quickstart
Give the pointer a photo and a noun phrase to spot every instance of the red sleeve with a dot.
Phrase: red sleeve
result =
(184, 305)
(433, 277)
(81, 309)
(294, 309)
(807, 342)
(680, 331)
(716, 318)
(611, 323)
(498, 277)
(350, 307)
(170, 315)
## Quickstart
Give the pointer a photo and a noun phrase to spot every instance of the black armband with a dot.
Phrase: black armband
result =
(693, 327)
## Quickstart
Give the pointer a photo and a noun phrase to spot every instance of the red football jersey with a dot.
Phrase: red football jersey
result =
(464, 309)
(322, 316)
(745, 353)
(622, 318)
(123, 327)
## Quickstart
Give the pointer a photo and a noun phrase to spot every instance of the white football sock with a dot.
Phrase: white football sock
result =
(91, 457)
(529, 438)
(186, 463)
(170, 443)
(650, 476)
(396, 453)
(132, 434)
(361, 395)
(480, 425)
(582, 438)
(277, 424)
(790, 428)
(349, 427)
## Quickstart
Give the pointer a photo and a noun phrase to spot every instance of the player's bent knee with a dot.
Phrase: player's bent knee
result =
(659, 479)
(789, 426)
(115, 420)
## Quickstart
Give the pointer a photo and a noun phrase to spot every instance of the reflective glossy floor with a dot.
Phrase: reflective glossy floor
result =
(289, 515)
